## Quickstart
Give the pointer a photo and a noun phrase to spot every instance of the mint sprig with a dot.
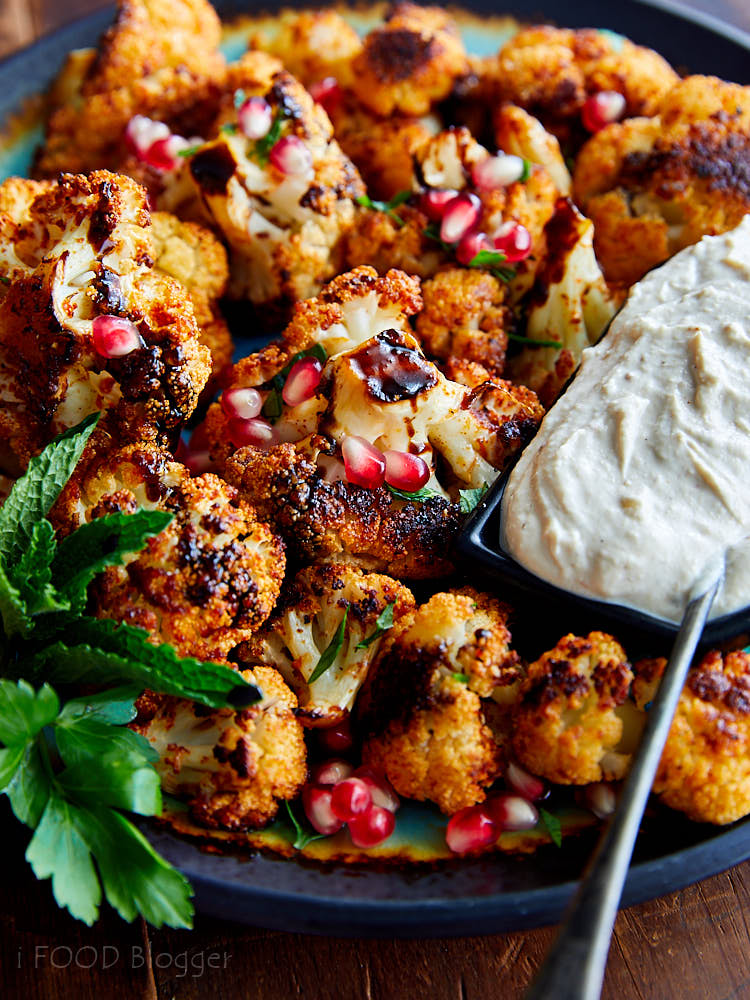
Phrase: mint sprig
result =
(383, 623)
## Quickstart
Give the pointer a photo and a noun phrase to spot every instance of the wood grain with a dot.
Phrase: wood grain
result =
(691, 945)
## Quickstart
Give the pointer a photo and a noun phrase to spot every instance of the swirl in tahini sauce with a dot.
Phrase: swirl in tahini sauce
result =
(640, 473)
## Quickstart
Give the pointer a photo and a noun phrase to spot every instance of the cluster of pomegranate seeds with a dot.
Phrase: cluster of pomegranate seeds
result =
(327, 93)
(497, 171)
(364, 464)
(602, 109)
(291, 156)
(362, 799)
(254, 117)
(115, 337)
(434, 202)
(405, 471)
(471, 245)
(302, 381)
(514, 241)
(479, 826)
(154, 144)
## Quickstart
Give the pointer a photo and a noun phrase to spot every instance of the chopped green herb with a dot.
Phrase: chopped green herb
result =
(302, 837)
(262, 148)
(386, 206)
(552, 825)
(469, 499)
(526, 172)
(530, 342)
(239, 98)
(432, 232)
(5, 280)
(191, 150)
(274, 401)
(331, 651)
(229, 128)
(383, 622)
(418, 496)
(492, 260)
(461, 678)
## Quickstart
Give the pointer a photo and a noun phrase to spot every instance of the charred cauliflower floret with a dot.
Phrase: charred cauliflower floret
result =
(81, 250)
(308, 621)
(208, 580)
(570, 304)
(283, 214)
(410, 63)
(654, 186)
(232, 766)
(574, 722)
(193, 256)
(551, 71)
(312, 44)
(308, 475)
(427, 711)
(519, 133)
(465, 316)
(160, 59)
(705, 767)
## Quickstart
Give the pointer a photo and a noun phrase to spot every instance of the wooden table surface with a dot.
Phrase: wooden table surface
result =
(692, 945)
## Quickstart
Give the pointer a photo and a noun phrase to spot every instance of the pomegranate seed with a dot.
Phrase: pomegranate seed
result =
(600, 798)
(363, 462)
(142, 132)
(471, 245)
(514, 240)
(602, 109)
(470, 829)
(291, 156)
(162, 155)
(338, 738)
(115, 337)
(350, 797)
(405, 471)
(254, 117)
(197, 462)
(317, 805)
(242, 403)
(511, 812)
(460, 216)
(302, 381)
(497, 171)
(331, 772)
(381, 790)
(524, 784)
(372, 827)
(250, 432)
(327, 93)
(433, 202)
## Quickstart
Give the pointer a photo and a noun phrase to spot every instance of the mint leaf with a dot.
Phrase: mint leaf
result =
(135, 879)
(116, 705)
(552, 825)
(58, 851)
(418, 496)
(108, 653)
(331, 651)
(534, 343)
(24, 711)
(383, 622)
(101, 543)
(33, 494)
(32, 574)
(113, 781)
(30, 789)
(302, 836)
(13, 611)
(469, 499)
(86, 739)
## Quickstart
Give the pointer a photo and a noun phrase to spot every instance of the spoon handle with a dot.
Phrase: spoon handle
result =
(574, 967)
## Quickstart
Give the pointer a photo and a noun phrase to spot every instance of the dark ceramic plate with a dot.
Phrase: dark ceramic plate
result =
(459, 897)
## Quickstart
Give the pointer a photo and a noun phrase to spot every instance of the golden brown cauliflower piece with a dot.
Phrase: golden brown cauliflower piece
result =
(410, 63)
(192, 255)
(705, 767)
(574, 722)
(551, 71)
(283, 230)
(654, 186)
(519, 133)
(307, 620)
(78, 249)
(376, 385)
(159, 59)
(312, 44)
(465, 316)
(381, 242)
(232, 766)
(208, 580)
(427, 713)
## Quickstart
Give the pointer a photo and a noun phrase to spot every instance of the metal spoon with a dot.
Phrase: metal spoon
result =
(574, 967)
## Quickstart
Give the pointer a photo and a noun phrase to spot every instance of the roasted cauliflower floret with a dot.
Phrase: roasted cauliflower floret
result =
(570, 303)
(307, 622)
(233, 767)
(81, 249)
(283, 229)
(654, 186)
(383, 242)
(705, 767)
(410, 63)
(574, 722)
(519, 133)
(208, 580)
(465, 316)
(551, 71)
(427, 713)
(312, 44)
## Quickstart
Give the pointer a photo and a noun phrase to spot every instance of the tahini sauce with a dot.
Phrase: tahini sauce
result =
(640, 473)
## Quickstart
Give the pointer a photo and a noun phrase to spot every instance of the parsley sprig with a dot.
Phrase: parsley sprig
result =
(388, 207)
